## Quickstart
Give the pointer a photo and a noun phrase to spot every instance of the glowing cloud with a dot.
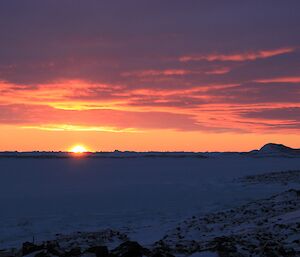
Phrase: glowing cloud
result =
(238, 57)
(280, 80)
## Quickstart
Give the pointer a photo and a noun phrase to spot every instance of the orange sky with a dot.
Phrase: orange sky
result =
(58, 115)
(201, 76)
(13, 138)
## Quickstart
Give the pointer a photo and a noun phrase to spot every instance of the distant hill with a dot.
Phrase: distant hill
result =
(272, 149)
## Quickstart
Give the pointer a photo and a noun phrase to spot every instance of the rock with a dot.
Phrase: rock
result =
(130, 249)
(28, 248)
(100, 251)
(7, 253)
(53, 248)
(73, 252)
(226, 246)
(86, 254)
(43, 254)
(161, 254)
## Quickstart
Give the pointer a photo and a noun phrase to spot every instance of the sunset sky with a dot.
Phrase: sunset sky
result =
(149, 75)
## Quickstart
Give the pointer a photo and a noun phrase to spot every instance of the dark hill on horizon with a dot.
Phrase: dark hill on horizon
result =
(273, 149)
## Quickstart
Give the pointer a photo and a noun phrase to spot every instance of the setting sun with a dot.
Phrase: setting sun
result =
(78, 149)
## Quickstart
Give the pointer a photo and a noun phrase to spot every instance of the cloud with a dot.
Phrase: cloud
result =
(59, 92)
(47, 117)
(85, 106)
(197, 66)
(238, 57)
(276, 119)
(99, 48)
(218, 71)
(257, 93)
(280, 80)
(170, 72)
(281, 114)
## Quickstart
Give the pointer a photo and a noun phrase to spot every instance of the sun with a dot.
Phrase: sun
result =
(79, 149)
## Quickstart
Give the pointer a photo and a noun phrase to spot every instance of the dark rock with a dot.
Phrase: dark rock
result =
(161, 254)
(6, 254)
(286, 252)
(225, 246)
(130, 249)
(100, 251)
(28, 248)
(42, 254)
(53, 248)
(73, 252)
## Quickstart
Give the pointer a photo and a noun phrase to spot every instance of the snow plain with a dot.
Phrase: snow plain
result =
(143, 197)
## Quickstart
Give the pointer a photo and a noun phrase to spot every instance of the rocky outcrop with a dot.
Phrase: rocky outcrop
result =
(282, 177)
(268, 227)
(126, 249)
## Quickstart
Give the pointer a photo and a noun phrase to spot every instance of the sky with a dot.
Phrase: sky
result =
(149, 75)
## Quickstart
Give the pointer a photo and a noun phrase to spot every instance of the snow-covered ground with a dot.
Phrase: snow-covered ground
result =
(143, 197)
(266, 227)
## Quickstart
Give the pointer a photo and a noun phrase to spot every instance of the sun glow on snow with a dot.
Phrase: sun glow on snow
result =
(79, 149)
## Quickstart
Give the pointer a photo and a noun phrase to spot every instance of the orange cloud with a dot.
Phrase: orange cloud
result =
(280, 80)
(80, 128)
(83, 106)
(65, 94)
(168, 72)
(238, 57)
(218, 71)
(45, 117)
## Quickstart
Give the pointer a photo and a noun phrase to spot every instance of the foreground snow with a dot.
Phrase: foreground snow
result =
(267, 227)
(145, 198)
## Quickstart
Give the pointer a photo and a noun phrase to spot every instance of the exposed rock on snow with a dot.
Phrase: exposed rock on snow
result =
(98, 250)
(283, 177)
(77, 244)
(126, 249)
(130, 249)
(86, 240)
(269, 227)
